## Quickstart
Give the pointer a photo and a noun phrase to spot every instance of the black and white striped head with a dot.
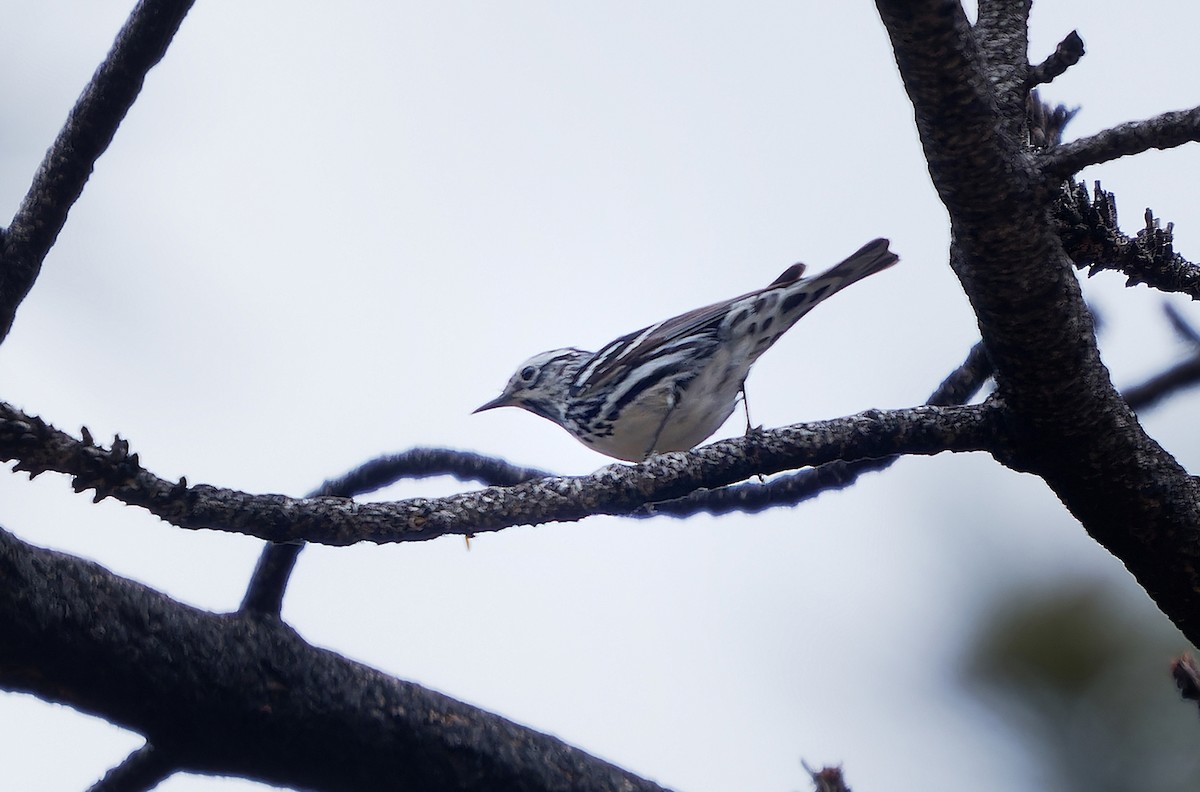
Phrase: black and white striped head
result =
(541, 384)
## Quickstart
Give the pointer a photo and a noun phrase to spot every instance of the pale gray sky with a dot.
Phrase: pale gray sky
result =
(328, 231)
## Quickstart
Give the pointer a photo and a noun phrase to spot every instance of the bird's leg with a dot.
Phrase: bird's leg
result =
(749, 426)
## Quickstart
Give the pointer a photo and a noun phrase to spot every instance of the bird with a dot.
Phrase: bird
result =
(670, 386)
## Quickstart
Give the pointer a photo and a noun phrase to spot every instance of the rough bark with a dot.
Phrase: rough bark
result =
(242, 694)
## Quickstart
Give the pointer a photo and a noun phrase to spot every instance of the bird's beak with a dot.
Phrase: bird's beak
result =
(499, 401)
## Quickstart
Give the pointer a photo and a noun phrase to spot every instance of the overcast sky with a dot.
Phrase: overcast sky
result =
(330, 230)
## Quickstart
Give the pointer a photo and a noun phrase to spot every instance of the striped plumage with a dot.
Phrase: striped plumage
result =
(669, 386)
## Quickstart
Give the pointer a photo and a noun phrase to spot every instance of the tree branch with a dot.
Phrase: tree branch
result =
(1002, 36)
(421, 463)
(264, 593)
(1182, 327)
(1158, 387)
(617, 489)
(1068, 52)
(958, 388)
(142, 770)
(1067, 422)
(236, 695)
(269, 580)
(1161, 132)
(1093, 239)
(89, 129)
(1035, 326)
(1182, 375)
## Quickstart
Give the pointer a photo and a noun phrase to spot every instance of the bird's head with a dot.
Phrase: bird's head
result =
(540, 384)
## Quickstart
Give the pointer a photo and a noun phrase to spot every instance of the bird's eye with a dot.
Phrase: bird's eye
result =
(528, 373)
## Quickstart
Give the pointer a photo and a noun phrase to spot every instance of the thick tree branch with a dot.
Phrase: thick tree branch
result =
(1002, 36)
(236, 695)
(1161, 132)
(89, 129)
(617, 489)
(1068, 423)
(1093, 239)
(1035, 326)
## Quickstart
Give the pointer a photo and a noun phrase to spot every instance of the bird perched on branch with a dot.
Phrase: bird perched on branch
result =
(667, 387)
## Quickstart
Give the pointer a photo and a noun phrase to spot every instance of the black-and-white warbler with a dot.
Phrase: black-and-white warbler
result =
(669, 386)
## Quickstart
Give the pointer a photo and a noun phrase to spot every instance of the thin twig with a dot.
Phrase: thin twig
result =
(269, 580)
(1065, 55)
(1149, 393)
(1182, 375)
(1181, 326)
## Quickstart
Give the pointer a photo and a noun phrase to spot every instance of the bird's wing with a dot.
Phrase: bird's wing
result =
(690, 336)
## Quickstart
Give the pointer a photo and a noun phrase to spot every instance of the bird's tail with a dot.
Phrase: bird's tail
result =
(801, 295)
